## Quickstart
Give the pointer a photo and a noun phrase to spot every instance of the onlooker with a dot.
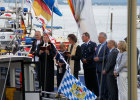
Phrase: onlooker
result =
(89, 66)
(47, 64)
(121, 71)
(61, 67)
(100, 59)
(137, 57)
(35, 45)
(75, 55)
(109, 70)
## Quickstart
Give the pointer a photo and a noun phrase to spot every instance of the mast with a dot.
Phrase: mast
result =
(132, 51)
(22, 5)
(111, 24)
(52, 21)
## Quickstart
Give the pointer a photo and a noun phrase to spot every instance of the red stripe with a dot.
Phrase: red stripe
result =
(22, 23)
(72, 9)
(44, 6)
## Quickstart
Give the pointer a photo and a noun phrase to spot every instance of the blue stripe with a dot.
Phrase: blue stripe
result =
(50, 4)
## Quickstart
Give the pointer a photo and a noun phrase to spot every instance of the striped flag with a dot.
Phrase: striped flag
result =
(40, 8)
(53, 5)
(83, 13)
(52, 40)
(73, 89)
(23, 27)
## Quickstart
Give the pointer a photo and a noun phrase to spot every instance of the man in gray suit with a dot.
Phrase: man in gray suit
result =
(109, 69)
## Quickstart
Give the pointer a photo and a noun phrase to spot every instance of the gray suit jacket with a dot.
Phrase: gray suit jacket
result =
(121, 62)
(111, 61)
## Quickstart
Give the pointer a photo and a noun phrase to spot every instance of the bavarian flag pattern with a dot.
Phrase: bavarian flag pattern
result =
(74, 89)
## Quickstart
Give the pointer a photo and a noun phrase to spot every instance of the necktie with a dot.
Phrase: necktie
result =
(99, 50)
(86, 44)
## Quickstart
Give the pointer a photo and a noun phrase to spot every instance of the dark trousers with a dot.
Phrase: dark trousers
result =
(112, 87)
(60, 75)
(76, 74)
(91, 80)
(37, 70)
(103, 86)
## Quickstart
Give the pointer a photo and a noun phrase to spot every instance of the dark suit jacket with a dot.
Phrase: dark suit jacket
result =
(111, 61)
(33, 50)
(88, 52)
(77, 58)
(102, 56)
(34, 46)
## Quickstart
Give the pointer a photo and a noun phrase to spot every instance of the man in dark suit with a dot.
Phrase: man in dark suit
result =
(109, 69)
(35, 45)
(88, 51)
(100, 59)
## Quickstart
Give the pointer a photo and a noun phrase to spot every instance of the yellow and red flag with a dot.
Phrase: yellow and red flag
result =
(23, 27)
(40, 8)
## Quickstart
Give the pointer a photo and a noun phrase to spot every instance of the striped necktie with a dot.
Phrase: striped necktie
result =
(99, 50)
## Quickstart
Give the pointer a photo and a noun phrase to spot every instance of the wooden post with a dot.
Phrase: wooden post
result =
(132, 51)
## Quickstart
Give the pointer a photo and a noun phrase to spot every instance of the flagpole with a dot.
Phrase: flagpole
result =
(22, 6)
(52, 21)
(111, 24)
(132, 51)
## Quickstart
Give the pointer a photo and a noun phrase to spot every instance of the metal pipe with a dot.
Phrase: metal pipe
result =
(111, 22)
(22, 6)
(132, 52)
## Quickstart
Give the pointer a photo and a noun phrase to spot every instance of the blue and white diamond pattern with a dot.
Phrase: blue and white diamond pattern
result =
(66, 86)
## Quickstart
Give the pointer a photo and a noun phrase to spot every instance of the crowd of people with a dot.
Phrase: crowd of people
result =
(104, 65)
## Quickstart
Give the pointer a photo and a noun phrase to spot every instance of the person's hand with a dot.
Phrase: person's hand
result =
(104, 72)
(84, 61)
(96, 58)
(115, 74)
(69, 55)
(41, 51)
(47, 51)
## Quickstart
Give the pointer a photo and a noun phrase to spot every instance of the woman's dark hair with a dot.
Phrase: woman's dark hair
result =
(72, 37)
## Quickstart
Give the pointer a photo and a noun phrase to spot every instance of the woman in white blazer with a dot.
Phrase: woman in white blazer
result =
(121, 70)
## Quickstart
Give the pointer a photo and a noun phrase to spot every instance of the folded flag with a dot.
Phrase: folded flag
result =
(74, 89)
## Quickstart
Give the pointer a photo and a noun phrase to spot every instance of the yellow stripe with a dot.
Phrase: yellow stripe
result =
(45, 15)
(39, 11)
(37, 8)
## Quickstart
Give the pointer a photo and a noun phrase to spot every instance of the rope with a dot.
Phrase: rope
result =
(103, 63)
